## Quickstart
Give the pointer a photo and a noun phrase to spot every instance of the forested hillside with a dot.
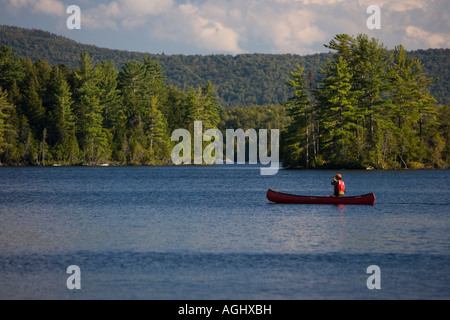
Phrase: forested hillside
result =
(359, 106)
(242, 80)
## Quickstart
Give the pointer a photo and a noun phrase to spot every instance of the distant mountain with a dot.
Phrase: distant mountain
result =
(241, 80)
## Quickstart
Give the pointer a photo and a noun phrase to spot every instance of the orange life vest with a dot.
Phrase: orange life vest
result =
(340, 187)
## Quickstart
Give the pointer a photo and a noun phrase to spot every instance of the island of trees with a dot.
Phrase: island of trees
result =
(366, 107)
(372, 108)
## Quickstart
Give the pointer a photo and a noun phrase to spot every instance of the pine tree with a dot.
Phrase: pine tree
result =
(27, 145)
(31, 101)
(135, 90)
(201, 105)
(66, 148)
(156, 133)
(8, 133)
(11, 70)
(411, 106)
(155, 78)
(113, 114)
(296, 139)
(142, 86)
(94, 140)
(367, 61)
(51, 101)
(339, 117)
(173, 109)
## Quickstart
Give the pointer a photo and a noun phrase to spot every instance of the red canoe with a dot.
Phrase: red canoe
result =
(278, 197)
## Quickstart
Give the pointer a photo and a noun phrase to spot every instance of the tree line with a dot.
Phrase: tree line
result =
(366, 107)
(240, 80)
(371, 108)
(94, 114)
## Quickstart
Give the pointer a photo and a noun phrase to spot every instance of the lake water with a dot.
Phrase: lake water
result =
(196, 233)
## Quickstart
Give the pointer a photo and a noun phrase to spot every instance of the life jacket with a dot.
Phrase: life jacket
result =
(340, 187)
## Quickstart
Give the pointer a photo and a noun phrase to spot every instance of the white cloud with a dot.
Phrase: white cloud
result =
(50, 7)
(236, 26)
(145, 7)
(275, 26)
(203, 27)
(416, 38)
(284, 30)
(124, 13)
(213, 35)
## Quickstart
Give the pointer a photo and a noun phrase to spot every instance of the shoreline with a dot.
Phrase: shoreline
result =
(106, 165)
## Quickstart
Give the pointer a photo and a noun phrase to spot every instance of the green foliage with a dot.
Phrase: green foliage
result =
(254, 117)
(241, 80)
(370, 106)
(296, 139)
(11, 69)
(264, 117)
(7, 130)
(340, 119)
(94, 114)
(375, 109)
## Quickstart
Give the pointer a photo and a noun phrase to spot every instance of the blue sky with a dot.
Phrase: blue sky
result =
(234, 26)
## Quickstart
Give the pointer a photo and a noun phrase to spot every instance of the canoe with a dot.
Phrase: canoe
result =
(278, 197)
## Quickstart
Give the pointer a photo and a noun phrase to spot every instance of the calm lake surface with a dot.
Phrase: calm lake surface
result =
(210, 233)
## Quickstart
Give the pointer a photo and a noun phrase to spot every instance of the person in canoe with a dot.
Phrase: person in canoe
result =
(339, 186)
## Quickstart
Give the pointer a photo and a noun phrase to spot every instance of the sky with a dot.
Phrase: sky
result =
(234, 26)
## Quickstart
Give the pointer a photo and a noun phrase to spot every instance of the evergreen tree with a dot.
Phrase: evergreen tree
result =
(155, 78)
(339, 116)
(367, 61)
(156, 133)
(442, 158)
(51, 101)
(371, 107)
(136, 89)
(11, 70)
(137, 86)
(27, 145)
(31, 105)
(93, 138)
(201, 105)
(211, 108)
(66, 149)
(173, 109)
(113, 113)
(8, 134)
(375, 109)
(411, 106)
(296, 139)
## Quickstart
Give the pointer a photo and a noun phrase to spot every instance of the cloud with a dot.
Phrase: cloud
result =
(204, 27)
(269, 26)
(127, 14)
(292, 30)
(416, 38)
(50, 7)
(416, 24)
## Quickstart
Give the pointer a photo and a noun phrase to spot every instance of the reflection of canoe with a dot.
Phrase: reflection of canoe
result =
(278, 197)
